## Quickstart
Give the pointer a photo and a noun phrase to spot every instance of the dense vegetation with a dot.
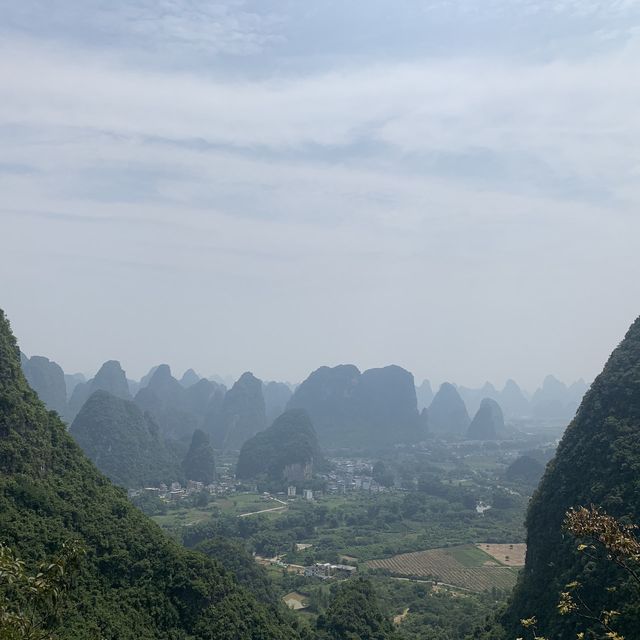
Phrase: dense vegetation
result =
(290, 440)
(123, 442)
(597, 462)
(369, 526)
(354, 613)
(134, 583)
(525, 469)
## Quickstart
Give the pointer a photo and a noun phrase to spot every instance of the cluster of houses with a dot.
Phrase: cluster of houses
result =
(326, 570)
(175, 491)
(307, 494)
(351, 475)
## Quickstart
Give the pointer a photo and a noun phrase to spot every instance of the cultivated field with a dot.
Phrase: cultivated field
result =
(466, 566)
(510, 554)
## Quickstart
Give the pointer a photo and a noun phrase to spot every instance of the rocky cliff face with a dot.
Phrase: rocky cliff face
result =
(447, 414)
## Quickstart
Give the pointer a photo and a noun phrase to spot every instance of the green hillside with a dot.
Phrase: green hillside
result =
(290, 440)
(134, 583)
(123, 442)
(597, 462)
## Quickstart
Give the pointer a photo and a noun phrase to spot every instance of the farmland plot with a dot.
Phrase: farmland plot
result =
(463, 566)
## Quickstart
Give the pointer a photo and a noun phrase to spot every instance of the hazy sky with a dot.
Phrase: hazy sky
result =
(452, 186)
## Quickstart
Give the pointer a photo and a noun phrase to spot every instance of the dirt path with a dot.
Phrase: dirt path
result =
(400, 617)
(253, 513)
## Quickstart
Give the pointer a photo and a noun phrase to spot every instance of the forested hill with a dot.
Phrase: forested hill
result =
(290, 440)
(134, 582)
(597, 462)
(123, 442)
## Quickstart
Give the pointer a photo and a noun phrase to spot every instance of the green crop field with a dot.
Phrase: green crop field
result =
(465, 566)
(470, 556)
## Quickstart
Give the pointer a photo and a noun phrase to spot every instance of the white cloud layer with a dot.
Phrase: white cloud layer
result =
(470, 215)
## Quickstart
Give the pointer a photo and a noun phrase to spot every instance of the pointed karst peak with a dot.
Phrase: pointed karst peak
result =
(161, 374)
(511, 385)
(247, 378)
(189, 378)
(488, 423)
(112, 378)
(447, 413)
(551, 383)
(488, 388)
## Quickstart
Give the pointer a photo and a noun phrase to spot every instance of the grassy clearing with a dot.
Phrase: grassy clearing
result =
(184, 517)
(511, 555)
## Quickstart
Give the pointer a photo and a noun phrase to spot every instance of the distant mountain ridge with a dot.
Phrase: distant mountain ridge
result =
(349, 407)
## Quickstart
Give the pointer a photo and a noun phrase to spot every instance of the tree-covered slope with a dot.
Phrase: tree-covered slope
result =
(597, 462)
(134, 583)
(290, 440)
(123, 442)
